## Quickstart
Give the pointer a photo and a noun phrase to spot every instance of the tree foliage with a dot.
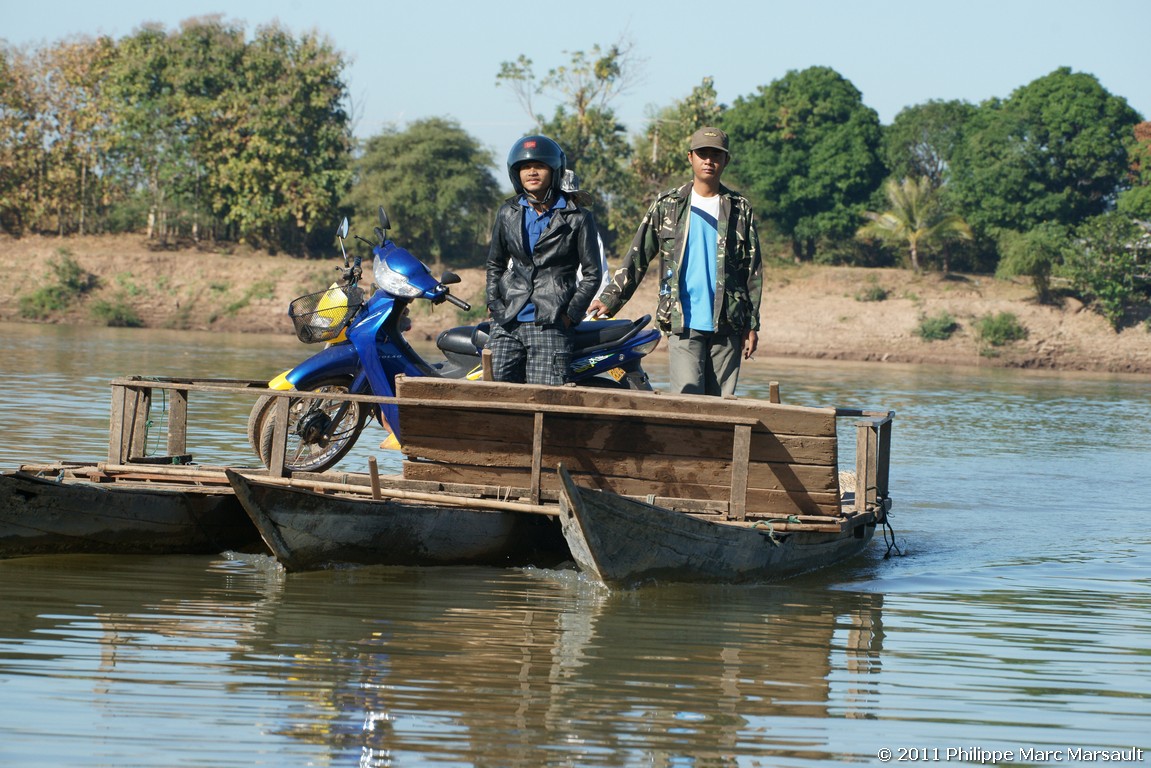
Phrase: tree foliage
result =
(806, 149)
(209, 131)
(434, 182)
(1038, 254)
(1136, 200)
(1110, 265)
(287, 165)
(922, 139)
(199, 128)
(22, 145)
(659, 160)
(915, 218)
(1056, 150)
(151, 132)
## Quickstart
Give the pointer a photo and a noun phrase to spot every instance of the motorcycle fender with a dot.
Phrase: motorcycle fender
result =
(335, 360)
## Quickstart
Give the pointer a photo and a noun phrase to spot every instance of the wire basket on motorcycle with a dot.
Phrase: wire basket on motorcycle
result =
(324, 315)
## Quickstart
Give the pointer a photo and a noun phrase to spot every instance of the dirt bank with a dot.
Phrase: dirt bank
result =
(808, 311)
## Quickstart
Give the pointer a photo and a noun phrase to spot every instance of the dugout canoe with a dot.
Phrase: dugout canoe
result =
(622, 542)
(310, 526)
(62, 512)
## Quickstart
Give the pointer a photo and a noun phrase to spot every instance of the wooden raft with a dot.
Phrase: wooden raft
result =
(739, 459)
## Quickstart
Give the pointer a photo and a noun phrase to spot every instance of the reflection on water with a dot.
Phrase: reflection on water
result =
(501, 667)
(1018, 615)
(146, 656)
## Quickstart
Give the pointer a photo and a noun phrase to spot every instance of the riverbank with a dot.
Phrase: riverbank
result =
(833, 313)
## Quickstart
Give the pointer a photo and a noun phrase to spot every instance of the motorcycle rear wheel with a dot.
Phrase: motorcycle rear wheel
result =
(313, 443)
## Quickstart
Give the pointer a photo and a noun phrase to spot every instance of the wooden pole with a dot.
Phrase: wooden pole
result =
(486, 364)
(374, 472)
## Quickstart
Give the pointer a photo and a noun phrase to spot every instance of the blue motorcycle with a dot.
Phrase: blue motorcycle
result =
(365, 350)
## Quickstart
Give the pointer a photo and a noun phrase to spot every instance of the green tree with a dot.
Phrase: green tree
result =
(806, 149)
(922, 139)
(149, 146)
(22, 144)
(1110, 265)
(286, 163)
(196, 126)
(1056, 150)
(434, 182)
(1036, 254)
(72, 110)
(248, 137)
(208, 96)
(915, 218)
(1136, 200)
(659, 156)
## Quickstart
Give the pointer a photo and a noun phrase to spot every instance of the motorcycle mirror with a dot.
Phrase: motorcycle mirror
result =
(384, 224)
(341, 233)
(450, 278)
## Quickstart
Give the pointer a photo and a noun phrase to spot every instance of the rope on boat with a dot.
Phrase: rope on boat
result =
(771, 528)
(885, 526)
(148, 423)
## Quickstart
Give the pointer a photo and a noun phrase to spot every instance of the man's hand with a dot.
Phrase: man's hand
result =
(597, 308)
(750, 344)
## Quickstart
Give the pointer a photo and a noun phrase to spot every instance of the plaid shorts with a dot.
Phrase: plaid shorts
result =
(535, 354)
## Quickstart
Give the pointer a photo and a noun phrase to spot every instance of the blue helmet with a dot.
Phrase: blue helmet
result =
(542, 149)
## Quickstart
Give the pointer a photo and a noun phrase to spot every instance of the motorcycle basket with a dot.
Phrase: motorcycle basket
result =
(324, 315)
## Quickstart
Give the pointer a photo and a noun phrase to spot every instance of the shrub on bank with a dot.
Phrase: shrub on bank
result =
(72, 281)
(1000, 329)
(938, 327)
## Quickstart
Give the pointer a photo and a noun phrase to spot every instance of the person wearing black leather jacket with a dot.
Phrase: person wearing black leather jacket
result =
(540, 238)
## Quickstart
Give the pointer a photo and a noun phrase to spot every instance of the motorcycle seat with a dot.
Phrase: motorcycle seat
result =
(591, 335)
(588, 336)
(465, 339)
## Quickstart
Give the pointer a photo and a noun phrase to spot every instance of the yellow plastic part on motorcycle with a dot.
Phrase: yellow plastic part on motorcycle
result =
(333, 305)
(281, 381)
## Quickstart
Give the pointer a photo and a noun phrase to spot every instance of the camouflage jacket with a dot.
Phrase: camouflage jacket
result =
(663, 234)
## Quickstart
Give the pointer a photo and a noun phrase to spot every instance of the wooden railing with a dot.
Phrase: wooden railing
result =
(748, 446)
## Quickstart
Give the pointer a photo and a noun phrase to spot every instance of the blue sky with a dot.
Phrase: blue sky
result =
(429, 58)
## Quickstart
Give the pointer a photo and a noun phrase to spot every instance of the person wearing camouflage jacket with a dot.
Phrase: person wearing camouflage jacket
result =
(705, 342)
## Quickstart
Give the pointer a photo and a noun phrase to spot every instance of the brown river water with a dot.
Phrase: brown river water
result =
(1011, 623)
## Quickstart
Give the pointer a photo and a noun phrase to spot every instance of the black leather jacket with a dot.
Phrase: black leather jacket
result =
(547, 277)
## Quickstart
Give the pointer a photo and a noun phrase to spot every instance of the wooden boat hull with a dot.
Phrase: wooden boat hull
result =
(309, 530)
(621, 542)
(48, 516)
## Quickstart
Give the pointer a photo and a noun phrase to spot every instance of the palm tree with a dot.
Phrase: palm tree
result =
(915, 217)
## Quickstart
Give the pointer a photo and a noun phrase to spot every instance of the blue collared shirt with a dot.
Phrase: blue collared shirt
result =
(535, 224)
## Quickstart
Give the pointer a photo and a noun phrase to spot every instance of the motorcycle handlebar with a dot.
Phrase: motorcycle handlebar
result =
(458, 302)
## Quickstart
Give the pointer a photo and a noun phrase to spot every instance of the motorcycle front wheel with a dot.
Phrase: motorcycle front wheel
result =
(320, 431)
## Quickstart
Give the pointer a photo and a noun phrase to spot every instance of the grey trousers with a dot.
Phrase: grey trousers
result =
(704, 363)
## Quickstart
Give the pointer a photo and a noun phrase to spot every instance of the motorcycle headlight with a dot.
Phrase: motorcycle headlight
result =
(393, 282)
